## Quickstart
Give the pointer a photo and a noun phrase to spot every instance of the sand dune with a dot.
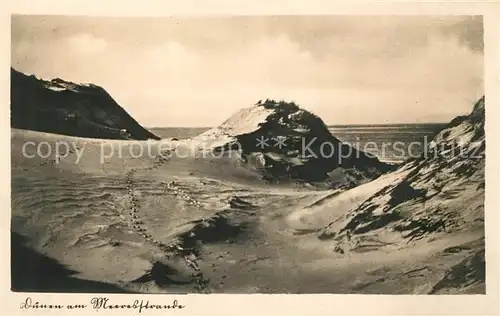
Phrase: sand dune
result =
(68, 108)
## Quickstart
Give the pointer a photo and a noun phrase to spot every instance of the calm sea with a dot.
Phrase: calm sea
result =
(391, 143)
(178, 132)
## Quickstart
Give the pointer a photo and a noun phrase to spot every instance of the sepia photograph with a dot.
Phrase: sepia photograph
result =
(231, 154)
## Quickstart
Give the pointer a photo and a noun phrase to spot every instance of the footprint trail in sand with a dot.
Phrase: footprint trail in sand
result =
(172, 250)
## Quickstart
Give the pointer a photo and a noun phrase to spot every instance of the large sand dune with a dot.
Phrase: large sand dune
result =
(63, 107)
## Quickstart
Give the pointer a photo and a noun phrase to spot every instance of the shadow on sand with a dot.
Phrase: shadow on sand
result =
(34, 272)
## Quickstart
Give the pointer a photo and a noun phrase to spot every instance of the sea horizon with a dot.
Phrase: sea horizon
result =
(327, 125)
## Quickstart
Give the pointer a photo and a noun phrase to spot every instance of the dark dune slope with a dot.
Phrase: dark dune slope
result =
(307, 152)
(35, 272)
(63, 107)
(443, 191)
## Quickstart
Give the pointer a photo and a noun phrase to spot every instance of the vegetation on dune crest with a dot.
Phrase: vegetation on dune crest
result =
(308, 152)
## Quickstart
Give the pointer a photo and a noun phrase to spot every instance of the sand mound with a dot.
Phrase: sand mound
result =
(66, 108)
(284, 141)
(163, 276)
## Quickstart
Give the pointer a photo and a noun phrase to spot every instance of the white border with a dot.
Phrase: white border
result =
(258, 304)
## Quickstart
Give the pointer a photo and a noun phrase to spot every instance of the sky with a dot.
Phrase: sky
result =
(197, 71)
